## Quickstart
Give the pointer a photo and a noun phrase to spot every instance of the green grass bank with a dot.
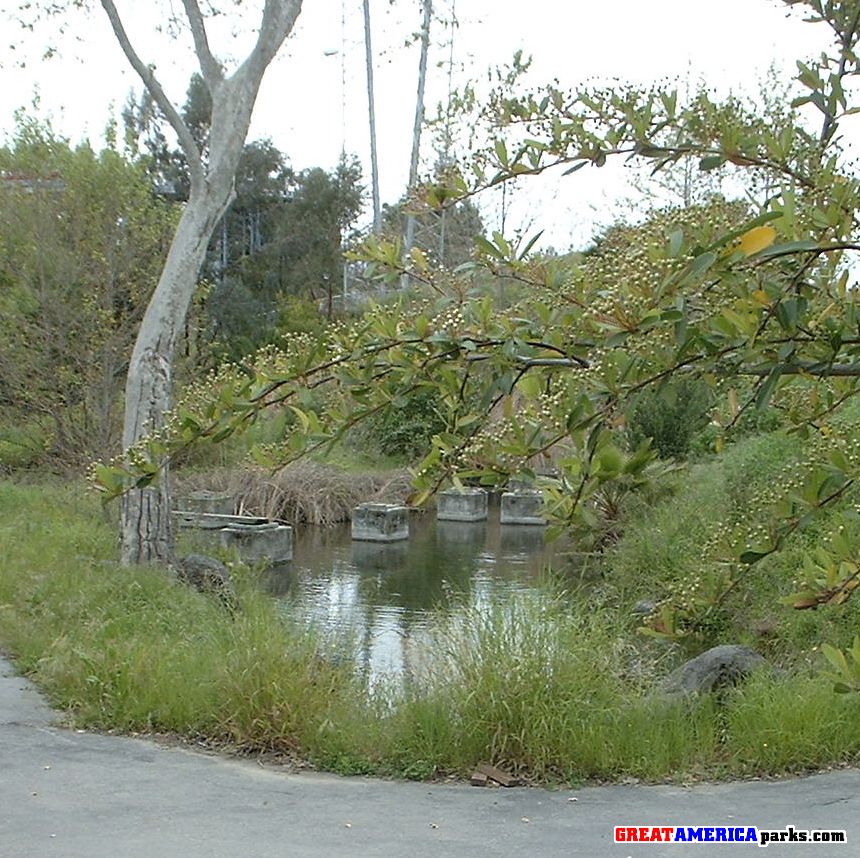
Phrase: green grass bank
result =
(556, 692)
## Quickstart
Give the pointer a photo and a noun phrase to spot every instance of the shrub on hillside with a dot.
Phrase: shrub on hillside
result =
(671, 416)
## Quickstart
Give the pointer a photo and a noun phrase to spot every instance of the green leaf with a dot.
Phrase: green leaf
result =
(729, 237)
(788, 248)
(750, 557)
(530, 245)
(676, 242)
(574, 168)
(702, 263)
(767, 387)
(501, 152)
(487, 247)
(836, 657)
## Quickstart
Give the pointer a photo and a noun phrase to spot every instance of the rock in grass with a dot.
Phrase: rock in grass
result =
(717, 668)
(208, 575)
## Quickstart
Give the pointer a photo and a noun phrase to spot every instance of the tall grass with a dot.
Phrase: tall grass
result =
(135, 650)
(554, 688)
(302, 492)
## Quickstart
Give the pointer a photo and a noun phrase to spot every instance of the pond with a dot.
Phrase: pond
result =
(388, 595)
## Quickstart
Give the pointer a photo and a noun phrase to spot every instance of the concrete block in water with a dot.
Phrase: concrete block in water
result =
(522, 507)
(254, 542)
(465, 504)
(253, 538)
(218, 503)
(373, 557)
(380, 522)
(467, 535)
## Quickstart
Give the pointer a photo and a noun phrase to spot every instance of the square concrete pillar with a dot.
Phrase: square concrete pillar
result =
(375, 556)
(254, 542)
(253, 538)
(522, 507)
(461, 505)
(380, 522)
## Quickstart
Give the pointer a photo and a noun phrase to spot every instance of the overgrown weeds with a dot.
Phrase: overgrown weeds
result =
(304, 492)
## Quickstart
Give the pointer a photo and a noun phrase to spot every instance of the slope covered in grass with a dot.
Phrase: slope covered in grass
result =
(552, 688)
(673, 546)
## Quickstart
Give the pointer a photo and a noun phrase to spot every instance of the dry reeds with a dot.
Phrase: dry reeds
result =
(303, 492)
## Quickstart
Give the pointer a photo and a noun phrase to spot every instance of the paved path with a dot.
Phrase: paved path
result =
(65, 794)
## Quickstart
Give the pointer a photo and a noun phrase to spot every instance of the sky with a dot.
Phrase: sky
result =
(313, 101)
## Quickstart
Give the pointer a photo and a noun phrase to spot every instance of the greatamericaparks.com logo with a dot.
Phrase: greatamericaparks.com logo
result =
(724, 834)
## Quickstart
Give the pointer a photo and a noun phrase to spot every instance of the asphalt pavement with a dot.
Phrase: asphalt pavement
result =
(72, 794)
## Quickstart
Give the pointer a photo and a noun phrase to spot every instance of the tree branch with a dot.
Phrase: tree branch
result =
(189, 147)
(819, 370)
(279, 18)
(848, 37)
(528, 362)
(211, 69)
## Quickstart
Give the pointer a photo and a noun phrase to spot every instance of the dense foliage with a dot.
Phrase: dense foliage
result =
(753, 298)
(82, 241)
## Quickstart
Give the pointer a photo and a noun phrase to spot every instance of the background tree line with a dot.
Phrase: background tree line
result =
(84, 233)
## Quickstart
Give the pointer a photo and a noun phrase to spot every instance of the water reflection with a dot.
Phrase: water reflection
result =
(388, 595)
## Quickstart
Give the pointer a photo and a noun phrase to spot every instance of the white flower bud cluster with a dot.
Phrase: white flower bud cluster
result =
(451, 321)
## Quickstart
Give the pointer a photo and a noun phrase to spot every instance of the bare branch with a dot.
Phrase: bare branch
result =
(211, 69)
(279, 18)
(818, 369)
(527, 362)
(189, 147)
(238, 92)
(849, 37)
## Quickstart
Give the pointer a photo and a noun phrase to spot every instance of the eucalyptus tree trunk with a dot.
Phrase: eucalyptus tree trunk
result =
(146, 530)
(409, 238)
(371, 113)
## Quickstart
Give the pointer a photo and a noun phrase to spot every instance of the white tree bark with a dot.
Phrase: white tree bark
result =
(371, 113)
(409, 238)
(146, 530)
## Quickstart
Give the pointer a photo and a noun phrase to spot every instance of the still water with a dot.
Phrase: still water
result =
(389, 595)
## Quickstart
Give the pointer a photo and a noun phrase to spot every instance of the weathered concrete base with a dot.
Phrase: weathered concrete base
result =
(255, 542)
(218, 503)
(213, 521)
(374, 556)
(380, 522)
(254, 539)
(468, 534)
(461, 505)
(522, 542)
(524, 506)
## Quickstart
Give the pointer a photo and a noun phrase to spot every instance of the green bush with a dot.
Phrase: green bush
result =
(675, 545)
(671, 416)
(402, 431)
(23, 443)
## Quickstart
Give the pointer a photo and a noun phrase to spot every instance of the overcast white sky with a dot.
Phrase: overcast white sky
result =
(309, 113)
